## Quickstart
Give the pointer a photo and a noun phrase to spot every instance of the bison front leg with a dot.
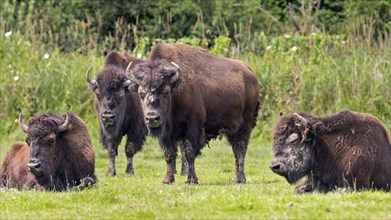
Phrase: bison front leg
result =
(112, 154)
(170, 153)
(170, 158)
(129, 151)
(305, 187)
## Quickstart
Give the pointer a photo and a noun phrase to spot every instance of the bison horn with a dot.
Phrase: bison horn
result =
(129, 74)
(65, 125)
(177, 74)
(90, 81)
(22, 126)
(303, 121)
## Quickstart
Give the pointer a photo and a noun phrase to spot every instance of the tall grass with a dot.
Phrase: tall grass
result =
(319, 74)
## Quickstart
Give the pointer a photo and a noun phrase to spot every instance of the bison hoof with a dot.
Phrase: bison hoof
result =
(303, 189)
(241, 179)
(168, 180)
(129, 172)
(192, 180)
(111, 173)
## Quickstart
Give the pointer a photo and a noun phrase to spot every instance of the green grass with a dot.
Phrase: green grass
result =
(265, 195)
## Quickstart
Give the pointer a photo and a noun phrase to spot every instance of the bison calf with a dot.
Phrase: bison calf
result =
(347, 149)
(58, 155)
(118, 110)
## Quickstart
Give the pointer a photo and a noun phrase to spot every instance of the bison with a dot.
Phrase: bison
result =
(344, 150)
(118, 110)
(189, 95)
(58, 155)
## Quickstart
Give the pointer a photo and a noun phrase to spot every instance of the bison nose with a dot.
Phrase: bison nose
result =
(153, 120)
(34, 166)
(108, 118)
(276, 167)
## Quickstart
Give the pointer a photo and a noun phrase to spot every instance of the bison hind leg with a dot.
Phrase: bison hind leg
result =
(184, 145)
(239, 142)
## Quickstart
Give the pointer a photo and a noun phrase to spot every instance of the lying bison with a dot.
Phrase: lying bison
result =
(58, 155)
(202, 98)
(347, 149)
(118, 110)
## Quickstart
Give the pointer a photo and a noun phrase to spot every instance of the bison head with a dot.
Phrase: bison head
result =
(110, 88)
(293, 149)
(156, 82)
(45, 138)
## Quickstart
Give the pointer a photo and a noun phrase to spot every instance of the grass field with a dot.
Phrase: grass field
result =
(316, 78)
(265, 195)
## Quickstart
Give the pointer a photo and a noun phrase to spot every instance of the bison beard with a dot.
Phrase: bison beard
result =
(347, 149)
(58, 155)
(194, 96)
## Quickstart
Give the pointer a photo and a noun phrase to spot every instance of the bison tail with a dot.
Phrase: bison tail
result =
(256, 113)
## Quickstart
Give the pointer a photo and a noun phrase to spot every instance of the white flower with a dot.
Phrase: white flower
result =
(313, 34)
(287, 36)
(139, 55)
(343, 42)
(46, 56)
(268, 47)
(9, 66)
(8, 34)
(294, 48)
(16, 78)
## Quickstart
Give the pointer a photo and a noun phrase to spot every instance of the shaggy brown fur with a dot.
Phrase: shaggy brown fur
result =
(66, 157)
(213, 96)
(348, 149)
(118, 110)
(13, 171)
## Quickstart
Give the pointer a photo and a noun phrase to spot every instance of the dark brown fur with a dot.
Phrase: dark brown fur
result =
(67, 157)
(348, 149)
(214, 96)
(125, 106)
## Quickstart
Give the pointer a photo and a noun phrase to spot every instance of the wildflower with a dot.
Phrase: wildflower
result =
(313, 34)
(287, 36)
(46, 56)
(294, 48)
(16, 78)
(343, 42)
(139, 55)
(268, 47)
(8, 34)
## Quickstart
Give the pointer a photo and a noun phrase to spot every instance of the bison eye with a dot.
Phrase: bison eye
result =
(292, 138)
(142, 92)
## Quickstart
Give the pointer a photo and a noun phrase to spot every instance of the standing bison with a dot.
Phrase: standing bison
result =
(118, 110)
(191, 95)
(58, 155)
(347, 149)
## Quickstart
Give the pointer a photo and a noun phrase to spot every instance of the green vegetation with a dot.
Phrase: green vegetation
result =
(346, 65)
